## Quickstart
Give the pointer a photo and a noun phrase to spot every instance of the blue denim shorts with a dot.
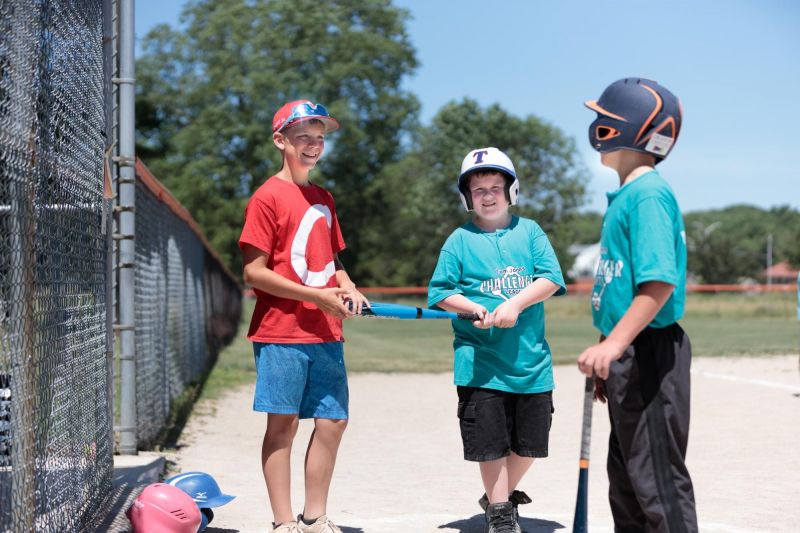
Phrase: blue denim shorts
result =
(309, 380)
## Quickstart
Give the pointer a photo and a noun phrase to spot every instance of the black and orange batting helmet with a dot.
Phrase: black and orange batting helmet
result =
(636, 114)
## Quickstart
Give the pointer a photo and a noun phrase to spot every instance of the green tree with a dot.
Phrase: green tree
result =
(728, 244)
(206, 95)
(585, 227)
(786, 225)
(713, 255)
(418, 195)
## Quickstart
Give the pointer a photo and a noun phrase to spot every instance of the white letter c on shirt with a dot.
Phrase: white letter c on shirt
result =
(300, 242)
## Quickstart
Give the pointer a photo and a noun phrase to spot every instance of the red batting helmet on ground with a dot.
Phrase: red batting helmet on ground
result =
(162, 508)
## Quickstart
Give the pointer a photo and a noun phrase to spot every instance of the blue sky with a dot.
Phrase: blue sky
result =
(734, 64)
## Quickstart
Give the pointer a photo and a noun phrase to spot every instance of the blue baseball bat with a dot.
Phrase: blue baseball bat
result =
(408, 312)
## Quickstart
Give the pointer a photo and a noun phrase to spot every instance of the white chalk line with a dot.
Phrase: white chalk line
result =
(761, 382)
(403, 523)
(596, 524)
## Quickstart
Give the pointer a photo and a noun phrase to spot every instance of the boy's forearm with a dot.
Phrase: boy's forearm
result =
(540, 290)
(342, 278)
(648, 301)
(457, 303)
(273, 283)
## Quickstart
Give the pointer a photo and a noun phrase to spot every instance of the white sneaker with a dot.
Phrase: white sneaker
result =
(322, 525)
(286, 527)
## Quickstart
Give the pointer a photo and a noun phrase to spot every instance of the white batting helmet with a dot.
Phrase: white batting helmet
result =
(487, 159)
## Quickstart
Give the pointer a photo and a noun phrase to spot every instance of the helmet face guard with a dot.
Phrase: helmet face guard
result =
(487, 159)
(206, 517)
(636, 114)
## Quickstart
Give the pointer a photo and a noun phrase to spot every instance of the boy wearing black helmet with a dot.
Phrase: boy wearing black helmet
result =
(641, 364)
(501, 267)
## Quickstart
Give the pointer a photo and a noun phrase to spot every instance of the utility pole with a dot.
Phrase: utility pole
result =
(769, 259)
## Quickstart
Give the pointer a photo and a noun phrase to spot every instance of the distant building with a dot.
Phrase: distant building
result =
(780, 273)
(585, 265)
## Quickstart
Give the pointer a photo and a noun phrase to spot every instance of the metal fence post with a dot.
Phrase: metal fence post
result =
(24, 366)
(109, 69)
(127, 253)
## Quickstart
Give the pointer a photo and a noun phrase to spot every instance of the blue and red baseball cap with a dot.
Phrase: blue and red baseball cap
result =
(291, 113)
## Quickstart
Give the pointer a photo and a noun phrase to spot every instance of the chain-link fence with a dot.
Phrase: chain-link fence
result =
(55, 432)
(58, 263)
(187, 304)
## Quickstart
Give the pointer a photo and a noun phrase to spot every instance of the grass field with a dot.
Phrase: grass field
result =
(718, 325)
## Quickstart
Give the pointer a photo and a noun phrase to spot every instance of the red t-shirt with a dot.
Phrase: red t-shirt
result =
(297, 227)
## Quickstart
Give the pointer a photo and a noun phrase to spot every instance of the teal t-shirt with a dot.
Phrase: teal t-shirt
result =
(489, 268)
(643, 239)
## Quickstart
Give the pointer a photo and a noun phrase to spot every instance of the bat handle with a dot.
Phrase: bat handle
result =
(586, 433)
(468, 316)
(351, 307)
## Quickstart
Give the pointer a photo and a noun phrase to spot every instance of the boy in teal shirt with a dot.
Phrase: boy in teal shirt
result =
(641, 364)
(501, 267)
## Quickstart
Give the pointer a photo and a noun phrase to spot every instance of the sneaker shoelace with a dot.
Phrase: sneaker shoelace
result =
(327, 525)
(504, 524)
(331, 526)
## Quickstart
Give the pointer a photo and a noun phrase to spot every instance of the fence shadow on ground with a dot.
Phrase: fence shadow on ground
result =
(212, 529)
(477, 524)
(128, 482)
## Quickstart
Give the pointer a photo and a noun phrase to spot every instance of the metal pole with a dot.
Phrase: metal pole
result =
(769, 259)
(127, 253)
(24, 363)
(25, 27)
(108, 201)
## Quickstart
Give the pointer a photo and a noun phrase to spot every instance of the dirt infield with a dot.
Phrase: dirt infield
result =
(400, 467)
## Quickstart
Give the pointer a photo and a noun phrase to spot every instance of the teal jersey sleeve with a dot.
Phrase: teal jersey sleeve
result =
(652, 230)
(545, 261)
(445, 279)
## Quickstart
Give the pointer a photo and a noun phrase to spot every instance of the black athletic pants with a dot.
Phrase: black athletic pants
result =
(648, 404)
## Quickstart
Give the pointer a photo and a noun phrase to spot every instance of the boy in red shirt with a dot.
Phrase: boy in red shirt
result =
(290, 244)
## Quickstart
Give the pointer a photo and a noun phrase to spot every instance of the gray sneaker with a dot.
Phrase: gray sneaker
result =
(500, 518)
(516, 498)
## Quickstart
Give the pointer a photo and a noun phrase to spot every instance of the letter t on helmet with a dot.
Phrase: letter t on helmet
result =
(487, 159)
